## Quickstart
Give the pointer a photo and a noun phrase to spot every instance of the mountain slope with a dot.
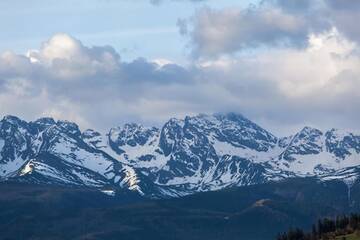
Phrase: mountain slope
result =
(194, 154)
(52, 152)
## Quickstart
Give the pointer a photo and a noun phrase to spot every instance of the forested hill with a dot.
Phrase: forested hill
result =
(341, 228)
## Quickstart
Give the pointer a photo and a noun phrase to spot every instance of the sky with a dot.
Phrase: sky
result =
(101, 63)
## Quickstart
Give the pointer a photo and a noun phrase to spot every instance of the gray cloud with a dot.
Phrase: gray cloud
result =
(272, 23)
(315, 86)
(343, 4)
(216, 32)
(68, 80)
(282, 89)
(182, 24)
(291, 5)
(343, 15)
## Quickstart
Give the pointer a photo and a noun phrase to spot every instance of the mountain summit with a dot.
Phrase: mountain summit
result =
(199, 153)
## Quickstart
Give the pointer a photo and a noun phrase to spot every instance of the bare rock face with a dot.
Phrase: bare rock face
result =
(194, 154)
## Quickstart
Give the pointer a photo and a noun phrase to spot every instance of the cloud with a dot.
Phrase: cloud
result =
(67, 79)
(291, 5)
(182, 25)
(343, 5)
(315, 86)
(281, 88)
(225, 31)
(343, 15)
(68, 58)
(271, 23)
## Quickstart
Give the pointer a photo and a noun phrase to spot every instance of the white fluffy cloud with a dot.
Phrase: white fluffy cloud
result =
(282, 88)
(68, 58)
(68, 80)
(282, 63)
(317, 85)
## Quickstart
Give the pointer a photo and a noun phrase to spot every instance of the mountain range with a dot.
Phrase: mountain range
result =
(185, 156)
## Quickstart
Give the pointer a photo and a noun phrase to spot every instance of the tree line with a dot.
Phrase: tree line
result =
(326, 229)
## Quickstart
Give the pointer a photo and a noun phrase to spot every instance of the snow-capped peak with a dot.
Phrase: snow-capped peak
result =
(197, 153)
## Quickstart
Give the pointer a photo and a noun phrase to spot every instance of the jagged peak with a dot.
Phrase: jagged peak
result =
(12, 119)
(67, 123)
(201, 144)
(201, 119)
(341, 133)
(45, 121)
(238, 119)
(71, 127)
(203, 116)
(131, 128)
(132, 134)
(214, 119)
(14, 123)
(89, 133)
(175, 121)
(308, 140)
(309, 134)
(232, 116)
(309, 129)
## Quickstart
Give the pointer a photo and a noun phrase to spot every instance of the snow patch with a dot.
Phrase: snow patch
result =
(28, 169)
(130, 180)
(109, 192)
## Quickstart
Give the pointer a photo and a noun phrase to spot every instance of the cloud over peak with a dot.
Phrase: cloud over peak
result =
(68, 76)
(91, 85)
(281, 63)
